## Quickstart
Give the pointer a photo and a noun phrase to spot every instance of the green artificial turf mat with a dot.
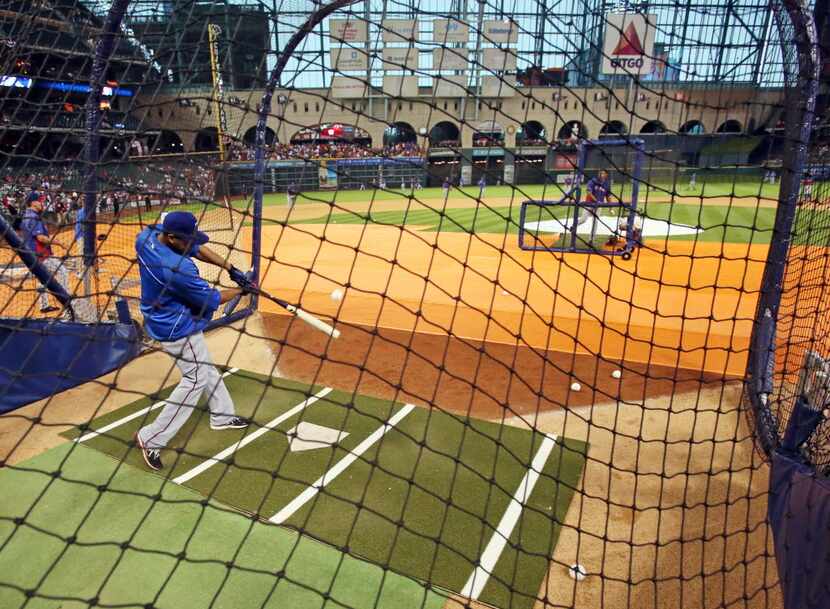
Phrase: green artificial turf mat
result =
(423, 501)
(100, 528)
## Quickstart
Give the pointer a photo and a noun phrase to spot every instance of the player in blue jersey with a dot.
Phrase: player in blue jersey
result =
(177, 305)
(37, 240)
(598, 191)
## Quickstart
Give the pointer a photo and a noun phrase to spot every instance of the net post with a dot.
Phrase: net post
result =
(576, 191)
(639, 152)
(522, 217)
(103, 51)
(801, 90)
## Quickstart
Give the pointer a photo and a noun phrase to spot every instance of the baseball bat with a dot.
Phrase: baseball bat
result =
(307, 317)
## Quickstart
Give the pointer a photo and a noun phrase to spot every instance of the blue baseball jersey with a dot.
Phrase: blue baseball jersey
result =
(175, 301)
(599, 189)
(32, 226)
(79, 223)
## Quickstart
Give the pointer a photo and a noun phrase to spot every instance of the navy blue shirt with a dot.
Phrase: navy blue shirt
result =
(175, 301)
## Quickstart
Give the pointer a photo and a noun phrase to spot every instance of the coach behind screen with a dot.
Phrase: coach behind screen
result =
(598, 192)
(599, 188)
(177, 304)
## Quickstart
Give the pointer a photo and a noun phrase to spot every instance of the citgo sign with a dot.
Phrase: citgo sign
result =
(629, 43)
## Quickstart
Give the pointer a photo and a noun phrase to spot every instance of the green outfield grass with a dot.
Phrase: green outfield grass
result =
(659, 191)
(424, 500)
(716, 187)
(717, 222)
(427, 211)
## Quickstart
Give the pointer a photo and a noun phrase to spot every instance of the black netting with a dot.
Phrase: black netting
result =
(488, 292)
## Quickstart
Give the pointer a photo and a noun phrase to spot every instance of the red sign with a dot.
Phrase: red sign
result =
(629, 43)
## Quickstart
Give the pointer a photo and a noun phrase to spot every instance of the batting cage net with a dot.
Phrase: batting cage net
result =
(408, 304)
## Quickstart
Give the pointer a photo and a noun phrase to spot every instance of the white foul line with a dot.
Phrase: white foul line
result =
(475, 584)
(135, 415)
(221, 456)
(309, 493)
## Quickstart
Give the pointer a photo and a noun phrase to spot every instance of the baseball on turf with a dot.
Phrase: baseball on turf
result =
(577, 572)
(337, 295)
(616, 374)
(576, 387)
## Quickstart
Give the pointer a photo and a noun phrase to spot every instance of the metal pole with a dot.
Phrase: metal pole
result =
(218, 88)
(103, 51)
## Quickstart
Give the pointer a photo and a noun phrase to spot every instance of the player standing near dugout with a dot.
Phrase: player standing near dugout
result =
(36, 239)
(177, 304)
(43, 251)
(291, 194)
(807, 188)
(80, 223)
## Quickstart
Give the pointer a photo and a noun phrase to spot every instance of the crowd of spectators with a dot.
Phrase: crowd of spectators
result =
(447, 144)
(326, 150)
(532, 142)
(183, 180)
(60, 188)
(487, 141)
(57, 189)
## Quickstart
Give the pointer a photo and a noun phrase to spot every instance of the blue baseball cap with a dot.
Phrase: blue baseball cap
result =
(183, 224)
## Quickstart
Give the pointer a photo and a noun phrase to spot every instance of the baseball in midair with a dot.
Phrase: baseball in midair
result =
(577, 572)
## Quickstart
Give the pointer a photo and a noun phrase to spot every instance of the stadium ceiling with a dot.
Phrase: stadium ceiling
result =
(697, 42)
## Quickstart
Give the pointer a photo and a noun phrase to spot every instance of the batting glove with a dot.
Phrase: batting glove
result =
(243, 280)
